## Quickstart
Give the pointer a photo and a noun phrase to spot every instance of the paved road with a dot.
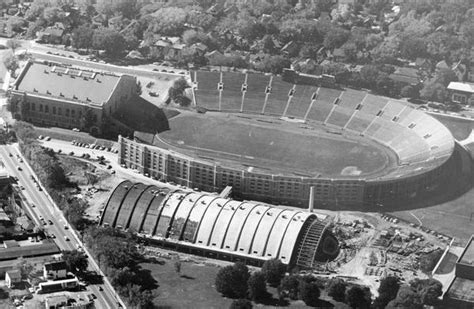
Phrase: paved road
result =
(101, 66)
(43, 207)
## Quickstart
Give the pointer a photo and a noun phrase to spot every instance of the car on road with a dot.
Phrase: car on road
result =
(33, 205)
(39, 187)
(10, 155)
(66, 238)
(19, 168)
(52, 236)
(50, 222)
(101, 288)
(66, 227)
(47, 138)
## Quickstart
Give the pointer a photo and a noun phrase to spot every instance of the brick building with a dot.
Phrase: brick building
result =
(69, 97)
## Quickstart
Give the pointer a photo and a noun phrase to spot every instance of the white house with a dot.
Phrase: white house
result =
(12, 277)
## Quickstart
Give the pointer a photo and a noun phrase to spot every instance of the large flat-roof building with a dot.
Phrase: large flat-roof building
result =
(64, 96)
(460, 293)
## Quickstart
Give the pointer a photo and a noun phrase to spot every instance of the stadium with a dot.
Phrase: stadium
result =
(272, 138)
(209, 225)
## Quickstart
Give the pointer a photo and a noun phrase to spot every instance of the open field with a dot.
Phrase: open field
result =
(194, 288)
(460, 128)
(451, 218)
(276, 144)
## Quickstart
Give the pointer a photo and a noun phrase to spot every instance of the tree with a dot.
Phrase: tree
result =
(13, 44)
(11, 63)
(406, 298)
(289, 286)
(309, 292)
(388, 290)
(357, 297)
(231, 281)
(337, 289)
(257, 288)
(335, 37)
(76, 261)
(82, 37)
(241, 304)
(429, 290)
(109, 40)
(168, 21)
(428, 261)
(274, 270)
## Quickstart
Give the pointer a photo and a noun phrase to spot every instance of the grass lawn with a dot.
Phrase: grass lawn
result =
(460, 128)
(451, 218)
(274, 146)
(195, 288)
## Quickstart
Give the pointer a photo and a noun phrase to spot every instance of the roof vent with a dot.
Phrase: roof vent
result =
(35, 90)
(46, 71)
(61, 94)
(74, 97)
(47, 91)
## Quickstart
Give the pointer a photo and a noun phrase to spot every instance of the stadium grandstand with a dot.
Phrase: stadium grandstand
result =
(258, 109)
(209, 225)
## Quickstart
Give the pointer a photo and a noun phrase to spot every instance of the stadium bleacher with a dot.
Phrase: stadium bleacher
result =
(413, 135)
(359, 122)
(340, 116)
(392, 109)
(373, 104)
(278, 98)
(207, 93)
(232, 91)
(255, 94)
(301, 101)
(351, 98)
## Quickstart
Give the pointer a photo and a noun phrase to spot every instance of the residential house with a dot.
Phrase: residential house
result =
(99, 20)
(213, 56)
(50, 35)
(339, 55)
(405, 76)
(442, 65)
(462, 93)
(460, 69)
(170, 48)
(290, 48)
(423, 64)
(12, 278)
(55, 270)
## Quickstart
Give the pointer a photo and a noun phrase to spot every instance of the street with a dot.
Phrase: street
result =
(44, 207)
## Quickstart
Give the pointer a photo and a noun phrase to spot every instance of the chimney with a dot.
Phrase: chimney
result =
(311, 199)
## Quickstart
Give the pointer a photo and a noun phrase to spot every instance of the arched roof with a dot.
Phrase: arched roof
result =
(208, 221)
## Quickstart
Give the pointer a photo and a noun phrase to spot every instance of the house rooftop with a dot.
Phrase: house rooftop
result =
(68, 83)
(464, 87)
(14, 274)
(46, 248)
(55, 265)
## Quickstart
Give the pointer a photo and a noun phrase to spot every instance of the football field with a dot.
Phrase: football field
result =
(276, 145)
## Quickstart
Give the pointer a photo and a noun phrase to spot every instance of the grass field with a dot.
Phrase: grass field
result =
(274, 145)
(194, 288)
(460, 128)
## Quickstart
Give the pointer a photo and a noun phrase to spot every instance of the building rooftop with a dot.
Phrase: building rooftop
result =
(458, 86)
(68, 83)
(462, 289)
(14, 274)
(10, 243)
(3, 215)
(46, 248)
(55, 265)
(468, 255)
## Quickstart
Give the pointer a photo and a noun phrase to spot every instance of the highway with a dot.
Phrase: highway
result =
(44, 207)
